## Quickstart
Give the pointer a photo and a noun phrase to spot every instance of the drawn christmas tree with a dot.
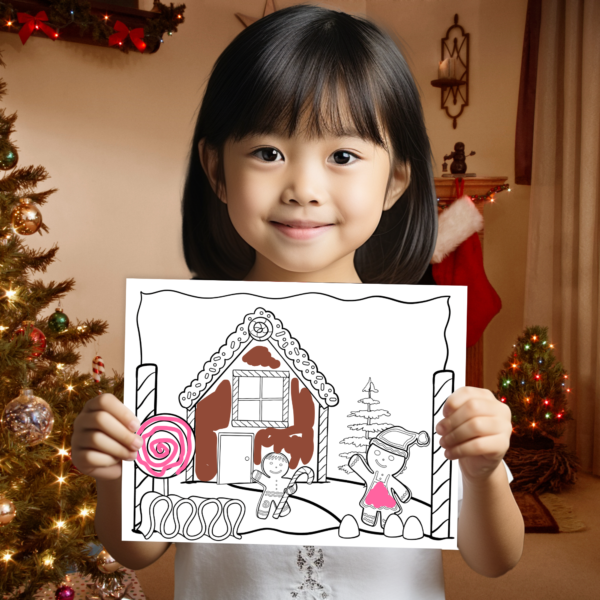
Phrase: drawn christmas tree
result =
(366, 424)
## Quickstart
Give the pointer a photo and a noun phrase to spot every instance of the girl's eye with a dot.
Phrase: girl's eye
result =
(267, 154)
(343, 157)
(377, 453)
(391, 457)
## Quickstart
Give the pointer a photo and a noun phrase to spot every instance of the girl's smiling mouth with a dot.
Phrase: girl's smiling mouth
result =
(382, 466)
(301, 230)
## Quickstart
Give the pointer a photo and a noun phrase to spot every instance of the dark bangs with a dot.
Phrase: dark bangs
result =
(336, 74)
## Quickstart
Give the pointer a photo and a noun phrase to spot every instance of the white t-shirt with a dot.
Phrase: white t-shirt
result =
(257, 572)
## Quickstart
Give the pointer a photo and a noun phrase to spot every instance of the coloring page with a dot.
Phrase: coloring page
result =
(292, 413)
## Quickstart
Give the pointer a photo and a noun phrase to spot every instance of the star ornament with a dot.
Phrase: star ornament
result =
(247, 21)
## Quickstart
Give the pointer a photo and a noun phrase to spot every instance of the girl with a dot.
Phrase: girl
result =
(310, 162)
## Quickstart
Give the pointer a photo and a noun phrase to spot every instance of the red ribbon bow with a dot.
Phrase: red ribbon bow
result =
(30, 23)
(122, 32)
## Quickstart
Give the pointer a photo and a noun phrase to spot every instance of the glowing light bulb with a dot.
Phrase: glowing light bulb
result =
(70, 388)
(60, 524)
(63, 452)
(10, 294)
(84, 512)
(6, 556)
(533, 424)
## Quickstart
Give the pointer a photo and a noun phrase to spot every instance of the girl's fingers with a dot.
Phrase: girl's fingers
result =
(463, 395)
(111, 404)
(492, 447)
(98, 441)
(473, 428)
(93, 459)
(105, 422)
(473, 407)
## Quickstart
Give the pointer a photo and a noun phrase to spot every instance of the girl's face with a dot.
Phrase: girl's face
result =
(306, 205)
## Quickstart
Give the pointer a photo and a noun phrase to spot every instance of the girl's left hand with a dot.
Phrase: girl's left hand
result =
(476, 430)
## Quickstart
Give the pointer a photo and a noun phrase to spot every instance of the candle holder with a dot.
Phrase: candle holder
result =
(453, 72)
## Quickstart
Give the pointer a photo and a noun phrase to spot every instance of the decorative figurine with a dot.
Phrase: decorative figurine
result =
(458, 166)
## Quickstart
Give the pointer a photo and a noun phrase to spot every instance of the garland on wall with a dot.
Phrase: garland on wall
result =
(78, 20)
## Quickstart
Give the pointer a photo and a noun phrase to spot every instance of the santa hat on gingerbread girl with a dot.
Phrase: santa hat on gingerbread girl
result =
(397, 440)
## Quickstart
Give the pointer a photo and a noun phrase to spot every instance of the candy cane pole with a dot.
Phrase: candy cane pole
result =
(310, 477)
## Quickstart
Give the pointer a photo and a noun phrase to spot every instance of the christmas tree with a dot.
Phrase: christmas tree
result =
(361, 443)
(535, 386)
(46, 506)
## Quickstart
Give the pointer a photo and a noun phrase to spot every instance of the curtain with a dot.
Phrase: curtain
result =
(562, 285)
(527, 92)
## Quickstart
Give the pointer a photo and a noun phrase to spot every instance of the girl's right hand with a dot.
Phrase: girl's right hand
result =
(103, 436)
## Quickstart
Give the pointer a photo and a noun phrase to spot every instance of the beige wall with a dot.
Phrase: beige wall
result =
(113, 131)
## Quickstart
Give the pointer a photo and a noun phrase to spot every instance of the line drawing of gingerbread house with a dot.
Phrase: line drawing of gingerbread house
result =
(260, 392)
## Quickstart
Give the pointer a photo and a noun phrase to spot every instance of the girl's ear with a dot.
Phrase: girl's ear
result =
(209, 160)
(398, 184)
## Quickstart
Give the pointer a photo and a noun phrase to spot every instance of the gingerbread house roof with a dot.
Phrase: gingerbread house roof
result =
(261, 325)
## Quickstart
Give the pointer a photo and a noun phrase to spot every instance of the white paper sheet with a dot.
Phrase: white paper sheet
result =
(286, 413)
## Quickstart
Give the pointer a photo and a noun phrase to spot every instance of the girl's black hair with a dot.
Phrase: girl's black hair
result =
(308, 61)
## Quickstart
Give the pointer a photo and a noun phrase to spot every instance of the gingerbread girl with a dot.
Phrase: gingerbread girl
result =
(387, 456)
(272, 478)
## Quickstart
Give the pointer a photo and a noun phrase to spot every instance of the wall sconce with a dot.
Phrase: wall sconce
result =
(453, 72)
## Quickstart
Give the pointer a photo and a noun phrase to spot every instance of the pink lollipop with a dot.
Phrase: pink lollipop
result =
(168, 446)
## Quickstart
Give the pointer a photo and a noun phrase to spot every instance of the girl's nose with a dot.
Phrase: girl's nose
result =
(303, 189)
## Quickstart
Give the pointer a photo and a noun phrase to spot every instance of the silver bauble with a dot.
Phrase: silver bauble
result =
(29, 418)
(7, 510)
(106, 563)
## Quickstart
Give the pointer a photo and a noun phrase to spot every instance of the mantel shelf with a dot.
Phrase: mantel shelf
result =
(445, 187)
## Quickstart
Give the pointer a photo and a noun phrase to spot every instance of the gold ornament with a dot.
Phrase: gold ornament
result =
(26, 217)
(106, 563)
(7, 511)
(29, 418)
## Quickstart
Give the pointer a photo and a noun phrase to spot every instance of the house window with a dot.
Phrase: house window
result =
(260, 398)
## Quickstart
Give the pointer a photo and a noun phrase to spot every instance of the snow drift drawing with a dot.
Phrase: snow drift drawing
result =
(291, 413)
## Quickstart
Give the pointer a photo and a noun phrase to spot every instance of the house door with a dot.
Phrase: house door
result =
(235, 458)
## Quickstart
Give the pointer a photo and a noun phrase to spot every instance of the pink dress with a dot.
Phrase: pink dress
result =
(378, 495)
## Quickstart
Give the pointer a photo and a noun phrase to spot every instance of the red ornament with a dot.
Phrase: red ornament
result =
(64, 592)
(136, 36)
(35, 335)
(30, 23)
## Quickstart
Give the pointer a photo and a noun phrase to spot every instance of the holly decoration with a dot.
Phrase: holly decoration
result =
(79, 20)
(535, 387)
(58, 321)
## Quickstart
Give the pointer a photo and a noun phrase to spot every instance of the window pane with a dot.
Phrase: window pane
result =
(272, 387)
(272, 410)
(248, 410)
(249, 387)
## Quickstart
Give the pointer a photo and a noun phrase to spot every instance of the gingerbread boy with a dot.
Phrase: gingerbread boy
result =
(272, 478)
(387, 456)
